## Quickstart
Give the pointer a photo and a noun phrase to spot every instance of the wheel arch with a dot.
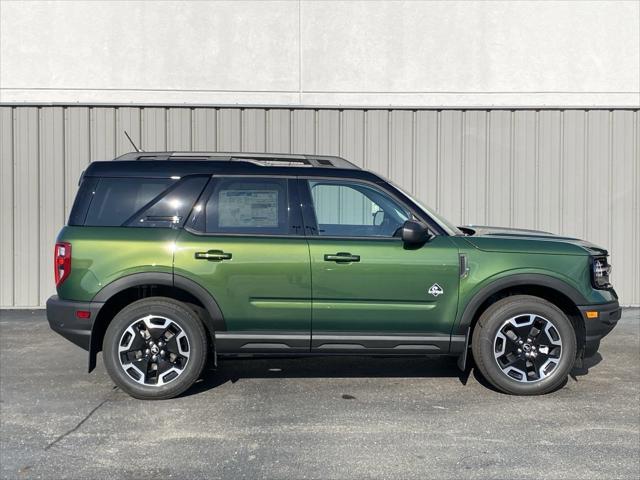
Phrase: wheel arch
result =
(554, 290)
(125, 290)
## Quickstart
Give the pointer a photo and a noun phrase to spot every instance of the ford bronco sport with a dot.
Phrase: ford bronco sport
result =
(171, 258)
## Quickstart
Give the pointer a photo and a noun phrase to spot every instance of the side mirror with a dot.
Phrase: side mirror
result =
(414, 232)
(378, 218)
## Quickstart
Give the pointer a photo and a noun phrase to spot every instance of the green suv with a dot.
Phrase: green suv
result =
(170, 259)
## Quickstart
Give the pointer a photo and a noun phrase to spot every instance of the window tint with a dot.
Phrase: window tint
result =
(172, 208)
(351, 209)
(249, 206)
(117, 199)
(83, 199)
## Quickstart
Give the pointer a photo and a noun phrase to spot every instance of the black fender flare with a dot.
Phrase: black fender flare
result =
(463, 322)
(214, 321)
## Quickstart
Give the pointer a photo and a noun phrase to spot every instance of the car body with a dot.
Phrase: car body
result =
(309, 255)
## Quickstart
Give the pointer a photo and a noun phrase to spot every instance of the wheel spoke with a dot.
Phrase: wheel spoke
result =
(527, 347)
(154, 350)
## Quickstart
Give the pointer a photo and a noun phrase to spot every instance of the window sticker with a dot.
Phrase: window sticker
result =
(248, 208)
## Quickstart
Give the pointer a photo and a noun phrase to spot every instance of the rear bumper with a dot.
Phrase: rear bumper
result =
(62, 318)
(597, 328)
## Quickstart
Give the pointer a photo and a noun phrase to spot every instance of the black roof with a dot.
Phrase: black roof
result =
(168, 164)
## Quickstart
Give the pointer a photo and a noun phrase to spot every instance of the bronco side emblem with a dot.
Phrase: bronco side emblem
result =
(435, 290)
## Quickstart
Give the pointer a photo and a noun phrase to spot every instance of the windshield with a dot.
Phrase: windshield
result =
(444, 223)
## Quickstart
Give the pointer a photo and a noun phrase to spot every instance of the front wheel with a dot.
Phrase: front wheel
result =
(155, 348)
(524, 345)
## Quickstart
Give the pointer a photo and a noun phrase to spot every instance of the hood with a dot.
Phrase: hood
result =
(502, 239)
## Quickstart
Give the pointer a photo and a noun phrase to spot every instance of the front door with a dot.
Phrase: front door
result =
(370, 291)
(244, 243)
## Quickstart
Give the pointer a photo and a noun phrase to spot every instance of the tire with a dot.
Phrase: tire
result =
(500, 339)
(160, 332)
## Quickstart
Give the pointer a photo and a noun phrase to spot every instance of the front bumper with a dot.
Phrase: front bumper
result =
(63, 320)
(598, 327)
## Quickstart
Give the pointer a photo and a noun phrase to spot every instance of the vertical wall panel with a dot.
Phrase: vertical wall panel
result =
(204, 129)
(278, 131)
(474, 168)
(7, 277)
(26, 240)
(328, 132)
(377, 141)
(565, 171)
(525, 166)
(401, 168)
(103, 133)
(450, 160)
(303, 131)
(574, 173)
(549, 208)
(51, 196)
(598, 181)
(128, 119)
(352, 136)
(624, 211)
(179, 129)
(154, 130)
(426, 161)
(77, 151)
(229, 130)
(499, 169)
(254, 130)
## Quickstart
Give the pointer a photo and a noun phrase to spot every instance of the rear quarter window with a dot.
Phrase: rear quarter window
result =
(117, 199)
(142, 202)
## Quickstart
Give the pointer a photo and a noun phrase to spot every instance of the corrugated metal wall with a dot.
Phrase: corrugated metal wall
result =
(574, 172)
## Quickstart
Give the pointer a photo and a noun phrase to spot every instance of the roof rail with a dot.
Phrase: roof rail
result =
(262, 159)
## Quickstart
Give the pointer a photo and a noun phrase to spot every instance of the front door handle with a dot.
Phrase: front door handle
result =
(213, 255)
(342, 257)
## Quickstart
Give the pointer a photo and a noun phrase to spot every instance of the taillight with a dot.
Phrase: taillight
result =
(61, 262)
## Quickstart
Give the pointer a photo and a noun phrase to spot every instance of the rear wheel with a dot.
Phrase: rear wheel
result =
(524, 345)
(155, 348)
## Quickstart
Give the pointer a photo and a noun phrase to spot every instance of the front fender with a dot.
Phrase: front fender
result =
(477, 297)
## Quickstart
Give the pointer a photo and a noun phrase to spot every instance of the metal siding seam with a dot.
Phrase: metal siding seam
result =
(562, 166)
(39, 226)
(463, 136)
(536, 191)
(414, 152)
(389, 146)
(7, 275)
(636, 150)
(438, 154)
(610, 193)
(487, 176)
(512, 147)
(585, 191)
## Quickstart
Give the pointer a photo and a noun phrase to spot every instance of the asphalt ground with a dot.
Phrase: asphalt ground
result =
(320, 418)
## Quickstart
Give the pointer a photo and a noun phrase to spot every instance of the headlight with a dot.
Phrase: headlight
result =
(600, 271)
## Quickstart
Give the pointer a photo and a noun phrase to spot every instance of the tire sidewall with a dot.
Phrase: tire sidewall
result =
(493, 319)
(184, 318)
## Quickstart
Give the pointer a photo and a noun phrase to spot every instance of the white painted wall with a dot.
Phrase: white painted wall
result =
(478, 53)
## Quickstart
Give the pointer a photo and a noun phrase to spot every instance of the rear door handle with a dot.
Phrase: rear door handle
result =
(341, 257)
(213, 255)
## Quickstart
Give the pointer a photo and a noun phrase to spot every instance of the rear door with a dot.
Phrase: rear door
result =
(244, 243)
(371, 292)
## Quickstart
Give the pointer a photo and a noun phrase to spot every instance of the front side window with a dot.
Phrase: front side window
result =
(354, 209)
(247, 205)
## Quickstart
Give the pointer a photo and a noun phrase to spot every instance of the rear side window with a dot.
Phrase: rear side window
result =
(142, 202)
(250, 206)
(172, 207)
(117, 199)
